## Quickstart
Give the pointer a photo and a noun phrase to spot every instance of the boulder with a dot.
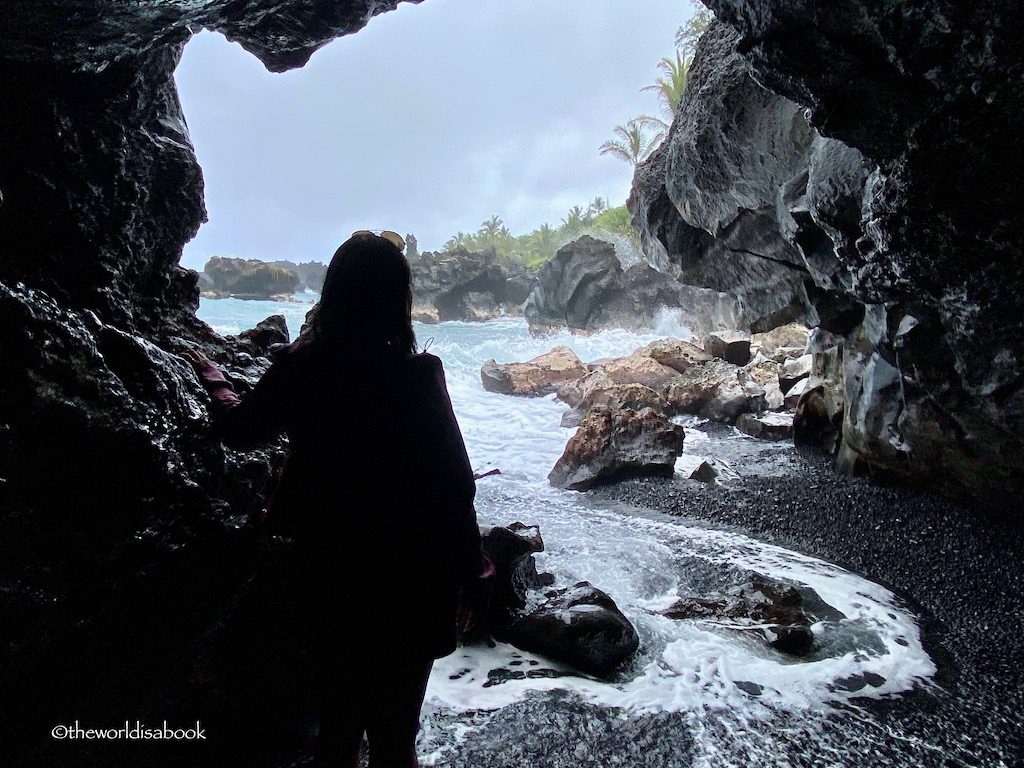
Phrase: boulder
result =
(537, 377)
(614, 443)
(789, 340)
(731, 346)
(573, 393)
(675, 353)
(635, 369)
(716, 390)
(635, 397)
(767, 426)
(266, 335)
(772, 610)
(580, 626)
(793, 370)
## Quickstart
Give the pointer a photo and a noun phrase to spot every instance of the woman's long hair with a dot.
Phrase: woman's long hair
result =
(366, 300)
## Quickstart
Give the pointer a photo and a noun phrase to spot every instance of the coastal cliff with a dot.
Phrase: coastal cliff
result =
(859, 166)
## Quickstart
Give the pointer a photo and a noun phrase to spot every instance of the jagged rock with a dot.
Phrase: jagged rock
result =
(774, 400)
(768, 426)
(537, 377)
(793, 370)
(770, 609)
(763, 371)
(675, 353)
(613, 443)
(635, 369)
(463, 285)
(731, 346)
(697, 468)
(716, 390)
(634, 397)
(573, 393)
(868, 214)
(267, 334)
(585, 287)
(792, 397)
(788, 340)
(705, 201)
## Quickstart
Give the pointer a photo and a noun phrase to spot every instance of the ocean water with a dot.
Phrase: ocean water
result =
(724, 682)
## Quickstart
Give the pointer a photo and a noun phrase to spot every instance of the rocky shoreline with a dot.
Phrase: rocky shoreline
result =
(960, 569)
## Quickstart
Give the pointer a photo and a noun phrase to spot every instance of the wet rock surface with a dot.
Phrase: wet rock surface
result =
(586, 287)
(610, 444)
(579, 625)
(129, 572)
(539, 376)
(847, 216)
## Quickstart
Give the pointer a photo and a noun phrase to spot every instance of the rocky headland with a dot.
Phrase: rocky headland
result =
(468, 286)
(254, 279)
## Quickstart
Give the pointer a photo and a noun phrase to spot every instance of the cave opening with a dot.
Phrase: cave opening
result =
(430, 120)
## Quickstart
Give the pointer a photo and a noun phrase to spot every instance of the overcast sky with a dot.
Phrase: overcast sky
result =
(428, 121)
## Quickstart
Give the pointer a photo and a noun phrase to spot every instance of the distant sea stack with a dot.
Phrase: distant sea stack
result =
(254, 279)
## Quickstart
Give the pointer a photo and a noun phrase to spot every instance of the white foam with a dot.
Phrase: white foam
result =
(640, 559)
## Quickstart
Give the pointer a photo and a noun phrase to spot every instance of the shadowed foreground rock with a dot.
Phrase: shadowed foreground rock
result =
(579, 626)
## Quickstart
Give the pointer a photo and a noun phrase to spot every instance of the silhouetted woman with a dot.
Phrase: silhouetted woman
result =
(377, 491)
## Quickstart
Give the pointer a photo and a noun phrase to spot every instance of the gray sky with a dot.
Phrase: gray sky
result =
(428, 121)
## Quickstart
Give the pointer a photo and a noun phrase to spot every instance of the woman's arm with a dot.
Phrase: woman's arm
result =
(449, 478)
(257, 418)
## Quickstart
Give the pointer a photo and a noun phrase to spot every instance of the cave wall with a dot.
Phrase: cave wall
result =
(128, 554)
(876, 148)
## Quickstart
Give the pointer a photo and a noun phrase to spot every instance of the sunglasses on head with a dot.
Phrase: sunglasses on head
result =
(392, 237)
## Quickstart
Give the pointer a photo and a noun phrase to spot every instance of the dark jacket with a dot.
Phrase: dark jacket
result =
(377, 490)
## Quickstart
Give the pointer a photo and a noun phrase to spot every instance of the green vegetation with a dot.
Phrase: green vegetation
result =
(534, 248)
(638, 138)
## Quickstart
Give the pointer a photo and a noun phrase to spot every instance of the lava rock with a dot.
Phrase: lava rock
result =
(768, 426)
(731, 346)
(675, 353)
(614, 443)
(537, 377)
(580, 626)
(716, 390)
(467, 286)
(794, 370)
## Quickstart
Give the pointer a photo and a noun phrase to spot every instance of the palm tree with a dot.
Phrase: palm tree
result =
(598, 206)
(631, 142)
(491, 230)
(672, 83)
(458, 240)
(574, 221)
